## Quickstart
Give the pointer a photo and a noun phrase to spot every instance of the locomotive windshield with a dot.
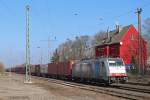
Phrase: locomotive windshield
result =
(115, 62)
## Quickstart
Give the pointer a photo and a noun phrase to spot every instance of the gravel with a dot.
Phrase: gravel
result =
(13, 88)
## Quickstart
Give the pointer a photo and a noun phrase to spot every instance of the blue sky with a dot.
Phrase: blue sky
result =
(50, 18)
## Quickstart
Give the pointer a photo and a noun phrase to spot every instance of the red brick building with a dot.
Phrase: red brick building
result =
(123, 42)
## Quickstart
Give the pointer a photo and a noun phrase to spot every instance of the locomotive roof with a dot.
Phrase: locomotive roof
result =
(104, 58)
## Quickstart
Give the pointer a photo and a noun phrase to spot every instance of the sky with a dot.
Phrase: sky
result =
(62, 19)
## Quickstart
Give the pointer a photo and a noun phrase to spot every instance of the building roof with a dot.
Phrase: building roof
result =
(115, 36)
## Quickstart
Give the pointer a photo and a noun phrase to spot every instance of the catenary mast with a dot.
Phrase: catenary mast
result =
(28, 73)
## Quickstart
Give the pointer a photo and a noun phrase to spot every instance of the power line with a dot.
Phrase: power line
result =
(127, 13)
(10, 11)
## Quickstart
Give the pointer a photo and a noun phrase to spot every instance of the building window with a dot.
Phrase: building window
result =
(132, 36)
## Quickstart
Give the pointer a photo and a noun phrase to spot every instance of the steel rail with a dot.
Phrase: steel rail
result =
(113, 91)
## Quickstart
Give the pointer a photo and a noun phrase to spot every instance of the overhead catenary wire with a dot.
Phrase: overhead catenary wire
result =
(117, 17)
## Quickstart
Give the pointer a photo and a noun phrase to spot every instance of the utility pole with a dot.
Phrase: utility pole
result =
(139, 10)
(28, 73)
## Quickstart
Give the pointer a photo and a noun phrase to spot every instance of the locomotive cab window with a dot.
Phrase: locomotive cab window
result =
(116, 62)
(112, 63)
(119, 63)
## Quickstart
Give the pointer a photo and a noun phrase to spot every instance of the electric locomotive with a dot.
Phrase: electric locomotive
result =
(106, 70)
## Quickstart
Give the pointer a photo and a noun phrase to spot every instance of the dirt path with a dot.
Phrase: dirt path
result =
(13, 88)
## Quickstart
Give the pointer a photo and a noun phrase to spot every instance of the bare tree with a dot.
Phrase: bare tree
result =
(146, 26)
(80, 48)
(98, 37)
(72, 49)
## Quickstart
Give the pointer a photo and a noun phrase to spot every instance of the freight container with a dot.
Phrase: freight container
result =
(52, 69)
(61, 69)
(20, 69)
(32, 68)
(44, 69)
(65, 68)
(37, 70)
(68, 69)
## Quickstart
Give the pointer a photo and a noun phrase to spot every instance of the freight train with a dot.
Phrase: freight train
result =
(102, 70)
(106, 70)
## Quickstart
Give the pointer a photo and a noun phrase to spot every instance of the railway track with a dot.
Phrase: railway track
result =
(132, 88)
(118, 91)
(139, 83)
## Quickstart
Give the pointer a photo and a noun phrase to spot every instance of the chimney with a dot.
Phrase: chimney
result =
(108, 33)
(108, 36)
(118, 28)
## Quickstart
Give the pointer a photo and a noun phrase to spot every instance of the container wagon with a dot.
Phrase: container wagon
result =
(44, 70)
(60, 69)
(32, 69)
(37, 70)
